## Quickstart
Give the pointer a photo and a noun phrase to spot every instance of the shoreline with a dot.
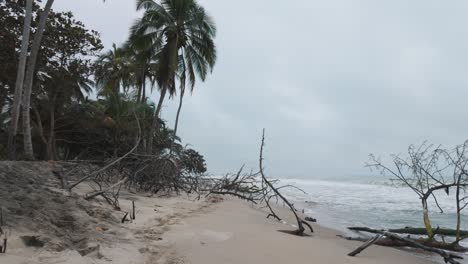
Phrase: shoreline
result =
(177, 229)
(234, 232)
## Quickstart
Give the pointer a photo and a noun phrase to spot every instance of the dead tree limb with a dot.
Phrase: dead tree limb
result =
(300, 222)
(112, 163)
(422, 231)
(365, 245)
(272, 213)
(124, 218)
(448, 257)
(94, 194)
(258, 189)
(4, 245)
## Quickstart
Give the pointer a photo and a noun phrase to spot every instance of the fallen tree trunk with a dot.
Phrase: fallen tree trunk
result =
(431, 243)
(422, 231)
(388, 242)
(448, 257)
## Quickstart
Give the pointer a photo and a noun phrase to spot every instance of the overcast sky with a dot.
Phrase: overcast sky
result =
(330, 80)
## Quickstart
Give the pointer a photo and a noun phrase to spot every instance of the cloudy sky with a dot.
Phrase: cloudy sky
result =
(330, 80)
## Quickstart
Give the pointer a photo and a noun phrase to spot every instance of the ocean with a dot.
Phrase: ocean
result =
(375, 202)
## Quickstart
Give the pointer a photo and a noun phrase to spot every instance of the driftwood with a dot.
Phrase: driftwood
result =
(124, 218)
(447, 256)
(387, 242)
(4, 245)
(422, 231)
(300, 221)
(365, 245)
(90, 196)
(241, 185)
(2, 232)
(258, 189)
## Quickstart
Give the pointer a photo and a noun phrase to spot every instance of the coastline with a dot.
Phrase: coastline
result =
(235, 232)
(178, 229)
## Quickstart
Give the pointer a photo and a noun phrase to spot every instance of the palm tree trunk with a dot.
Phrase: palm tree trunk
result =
(40, 128)
(139, 93)
(182, 91)
(51, 139)
(20, 80)
(156, 120)
(143, 94)
(28, 81)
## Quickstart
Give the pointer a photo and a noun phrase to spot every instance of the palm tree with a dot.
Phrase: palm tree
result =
(113, 71)
(20, 77)
(141, 51)
(183, 34)
(29, 78)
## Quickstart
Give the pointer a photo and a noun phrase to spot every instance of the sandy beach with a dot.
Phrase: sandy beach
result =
(233, 132)
(233, 232)
(180, 230)
(166, 229)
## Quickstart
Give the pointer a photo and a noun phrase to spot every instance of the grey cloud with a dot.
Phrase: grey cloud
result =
(331, 81)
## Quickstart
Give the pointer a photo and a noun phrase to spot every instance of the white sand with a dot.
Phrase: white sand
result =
(236, 233)
(136, 242)
(178, 230)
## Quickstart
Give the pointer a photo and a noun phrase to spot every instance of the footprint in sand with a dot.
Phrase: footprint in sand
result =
(210, 236)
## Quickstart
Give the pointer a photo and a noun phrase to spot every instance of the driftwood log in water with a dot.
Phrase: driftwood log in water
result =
(421, 244)
(422, 231)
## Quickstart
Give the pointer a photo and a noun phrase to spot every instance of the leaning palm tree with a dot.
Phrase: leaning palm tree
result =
(29, 79)
(15, 112)
(183, 34)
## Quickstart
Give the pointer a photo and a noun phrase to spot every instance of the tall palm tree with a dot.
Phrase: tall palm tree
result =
(29, 78)
(141, 51)
(20, 77)
(113, 71)
(183, 34)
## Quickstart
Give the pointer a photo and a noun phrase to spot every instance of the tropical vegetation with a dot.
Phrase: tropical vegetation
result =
(62, 97)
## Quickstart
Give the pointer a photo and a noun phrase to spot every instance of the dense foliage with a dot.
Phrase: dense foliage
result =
(66, 123)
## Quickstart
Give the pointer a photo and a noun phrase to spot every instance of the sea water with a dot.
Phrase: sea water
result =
(375, 202)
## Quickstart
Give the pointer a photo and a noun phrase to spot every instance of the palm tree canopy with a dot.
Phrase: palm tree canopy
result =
(183, 36)
(113, 71)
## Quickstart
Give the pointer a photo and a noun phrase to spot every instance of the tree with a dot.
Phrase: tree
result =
(20, 77)
(64, 71)
(428, 170)
(113, 71)
(29, 78)
(63, 64)
(183, 34)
